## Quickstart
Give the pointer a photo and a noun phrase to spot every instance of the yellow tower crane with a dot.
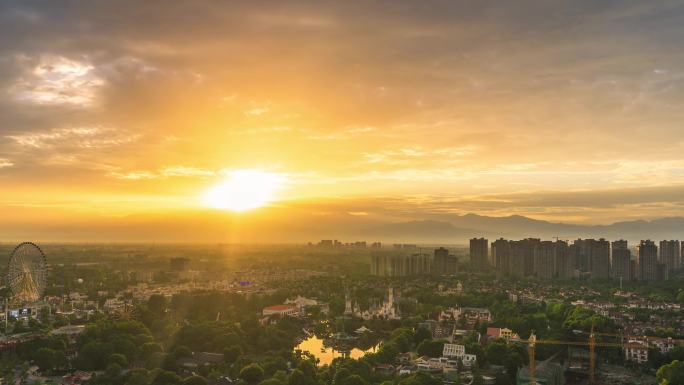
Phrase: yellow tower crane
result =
(591, 343)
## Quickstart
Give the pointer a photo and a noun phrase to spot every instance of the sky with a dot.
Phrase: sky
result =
(389, 111)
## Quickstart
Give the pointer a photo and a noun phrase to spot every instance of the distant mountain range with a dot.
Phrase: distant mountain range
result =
(276, 225)
(463, 227)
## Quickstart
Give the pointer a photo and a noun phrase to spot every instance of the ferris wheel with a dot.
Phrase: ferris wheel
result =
(27, 273)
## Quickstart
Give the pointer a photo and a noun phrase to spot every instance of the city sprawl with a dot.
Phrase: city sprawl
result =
(509, 312)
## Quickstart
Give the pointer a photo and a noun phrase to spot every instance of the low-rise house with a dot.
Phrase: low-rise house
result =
(453, 350)
(113, 304)
(281, 310)
(460, 335)
(665, 345)
(469, 360)
(637, 351)
(302, 303)
(406, 369)
(504, 333)
(430, 325)
(385, 369)
(404, 358)
(78, 377)
(422, 363)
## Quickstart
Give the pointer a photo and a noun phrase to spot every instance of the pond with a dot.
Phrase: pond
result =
(326, 354)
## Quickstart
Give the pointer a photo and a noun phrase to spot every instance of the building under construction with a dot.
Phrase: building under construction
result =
(578, 363)
(545, 373)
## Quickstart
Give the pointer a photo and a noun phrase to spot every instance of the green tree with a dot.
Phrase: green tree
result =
(430, 348)
(514, 361)
(671, 374)
(165, 377)
(157, 304)
(195, 380)
(281, 376)
(677, 353)
(45, 358)
(273, 364)
(272, 381)
(308, 368)
(149, 348)
(297, 377)
(182, 352)
(420, 379)
(340, 375)
(60, 359)
(402, 338)
(23, 371)
(113, 370)
(125, 346)
(137, 377)
(119, 359)
(476, 349)
(680, 297)
(252, 373)
(387, 353)
(232, 353)
(477, 377)
(421, 335)
(154, 360)
(497, 352)
(502, 379)
(358, 367)
(354, 379)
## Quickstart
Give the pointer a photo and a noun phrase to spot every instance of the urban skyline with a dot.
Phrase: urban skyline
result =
(533, 257)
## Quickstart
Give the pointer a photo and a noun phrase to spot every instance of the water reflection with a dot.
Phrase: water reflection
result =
(326, 354)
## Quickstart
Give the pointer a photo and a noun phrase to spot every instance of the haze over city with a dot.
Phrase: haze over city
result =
(284, 121)
(392, 192)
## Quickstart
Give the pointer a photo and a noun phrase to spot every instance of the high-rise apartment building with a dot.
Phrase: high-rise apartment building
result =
(179, 263)
(387, 265)
(600, 258)
(580, 252)
(647, 261)
(599, 263)
(522, 257)
(545, 260)
(670, 254)
(519, 253)
(479, 248)
(662, 272)
(620, 260)
(444, 263)
(564, 267)
(593, 256)
(574, 257)
(501, 256)
(551, 259)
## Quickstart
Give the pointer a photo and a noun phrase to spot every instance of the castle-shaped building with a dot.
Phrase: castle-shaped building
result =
(388, 308)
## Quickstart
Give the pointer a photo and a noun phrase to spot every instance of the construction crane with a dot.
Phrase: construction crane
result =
(592, 344)
(620, 335)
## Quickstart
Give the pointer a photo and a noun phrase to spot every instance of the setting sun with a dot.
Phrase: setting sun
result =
(243, 190)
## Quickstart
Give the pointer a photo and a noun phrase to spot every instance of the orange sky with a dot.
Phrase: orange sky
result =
(565, 111)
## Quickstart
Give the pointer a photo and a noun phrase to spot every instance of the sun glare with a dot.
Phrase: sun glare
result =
(243, 190)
